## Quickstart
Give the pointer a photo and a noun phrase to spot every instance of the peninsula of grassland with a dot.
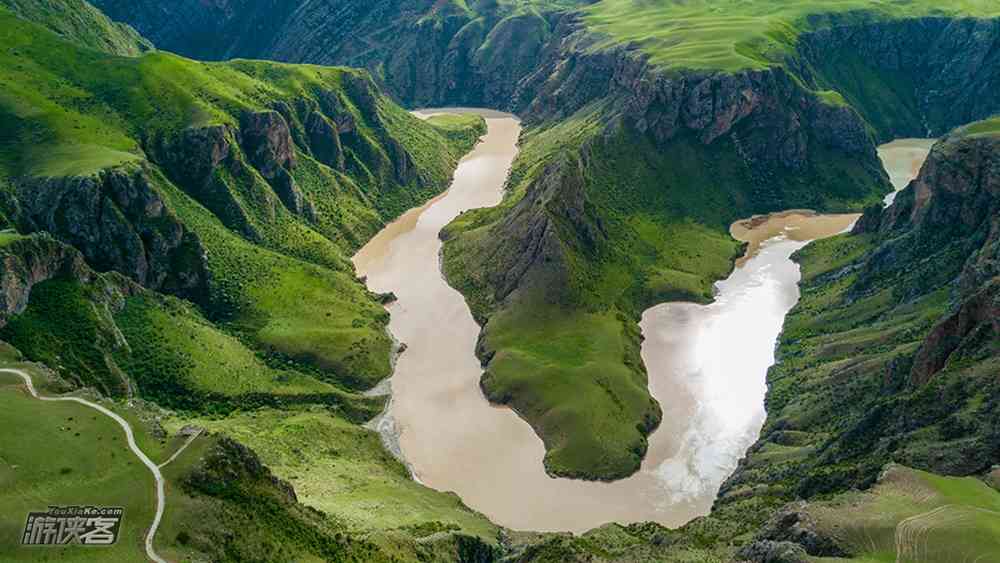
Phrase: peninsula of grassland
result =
(714, 112)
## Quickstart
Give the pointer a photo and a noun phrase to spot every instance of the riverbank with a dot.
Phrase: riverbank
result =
(453, 439)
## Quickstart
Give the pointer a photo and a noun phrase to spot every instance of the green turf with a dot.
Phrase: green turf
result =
(916, 516)
(7, 237)
(732, 35)
(376, 514)
(985, 127)
(67, 327)
(343, 470)
(81, 22)
(67, 454)
(462, 128)
(567, 348)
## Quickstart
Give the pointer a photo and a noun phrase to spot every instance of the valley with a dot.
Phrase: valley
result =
(707, 366)
(695, 287)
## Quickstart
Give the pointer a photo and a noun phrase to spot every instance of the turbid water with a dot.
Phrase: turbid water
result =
(902, 159)
(707, 367)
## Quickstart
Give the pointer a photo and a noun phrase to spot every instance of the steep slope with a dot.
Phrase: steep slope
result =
(893, 351)
(779, 104)
(891, 356)
(82, 23)
(177, 238)
(242, 186)
(590, 241)
(426, 52)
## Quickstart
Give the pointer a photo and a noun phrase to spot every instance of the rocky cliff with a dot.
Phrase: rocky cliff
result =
(120, 222)
(917, 77)
(426, 52)
(58, 285)
(947, 223)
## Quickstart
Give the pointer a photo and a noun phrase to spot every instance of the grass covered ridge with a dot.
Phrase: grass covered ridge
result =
(626, 225)
(344, 471)
(733, 35)
(82, 23)
(281, 281)
(286, 334)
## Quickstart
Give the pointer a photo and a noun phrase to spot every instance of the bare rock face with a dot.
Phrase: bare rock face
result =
(948, 220)
(324, 137)
(30, 261)
(119, 221)
(267, 143)
(973, 325)
(951, 66)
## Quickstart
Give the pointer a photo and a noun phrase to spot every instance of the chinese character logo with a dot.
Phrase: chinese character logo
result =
(73, 525)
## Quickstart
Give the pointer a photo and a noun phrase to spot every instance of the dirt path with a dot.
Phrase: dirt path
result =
(160, 500)
(183, 447)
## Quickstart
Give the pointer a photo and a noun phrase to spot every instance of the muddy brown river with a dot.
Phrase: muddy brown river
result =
(707, 366)
(902, 159)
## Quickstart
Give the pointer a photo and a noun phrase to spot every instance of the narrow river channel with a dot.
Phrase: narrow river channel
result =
(707, 366)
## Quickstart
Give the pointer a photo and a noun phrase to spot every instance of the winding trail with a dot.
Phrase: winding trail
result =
(160, 500)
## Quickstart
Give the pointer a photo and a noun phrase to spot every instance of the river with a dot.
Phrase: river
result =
(707, 366)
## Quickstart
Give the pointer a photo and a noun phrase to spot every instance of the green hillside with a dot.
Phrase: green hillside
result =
(308, 163)
(915, 516)
(280, 276)
(620, 223)
(733, 35)
(82, 23)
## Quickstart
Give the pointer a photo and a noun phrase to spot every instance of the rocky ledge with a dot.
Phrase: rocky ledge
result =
(120, 222)
(952, 210)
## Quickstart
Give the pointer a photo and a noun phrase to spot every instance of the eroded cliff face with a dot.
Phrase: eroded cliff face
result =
(119, 221)
(949, 219)
(918, 77)
(32, 260)
(215, 30)
(38, 264)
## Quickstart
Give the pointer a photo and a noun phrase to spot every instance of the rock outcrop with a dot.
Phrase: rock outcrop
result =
(925, 76)
(528, 253)
(267, 142)
(31, 260)
(194, 160)
(119, 221)
(948, 222)
(229, 466)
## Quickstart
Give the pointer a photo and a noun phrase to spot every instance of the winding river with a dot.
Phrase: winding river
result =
(707, 367)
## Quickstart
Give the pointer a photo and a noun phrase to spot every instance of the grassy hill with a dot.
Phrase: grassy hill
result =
(82, 23)
(597, 226)
(734, 35)
(275, 249)
(212, 210)
(874, 369)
